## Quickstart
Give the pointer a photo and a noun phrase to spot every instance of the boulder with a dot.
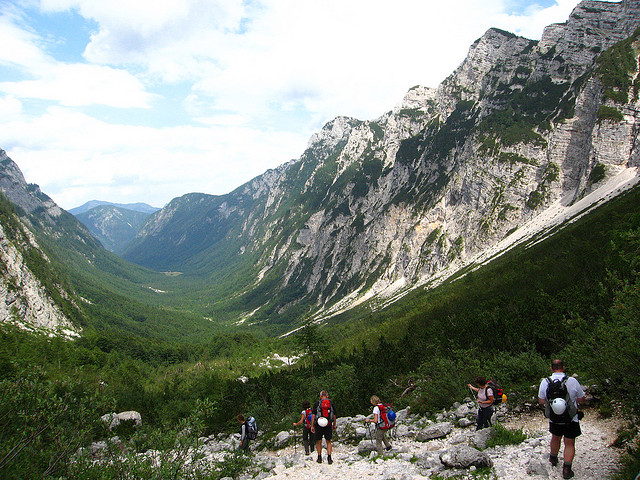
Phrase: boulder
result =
(428, 460)
(281, 439)
(464, 456)
(465, 422)
(402, 415)
(539, 465)
(479, 438)
(115, 419)
(404, 431)
(131, 416)
(437, 430)
(360, 432)
(366, 446)
(462, 411)
(97, 447)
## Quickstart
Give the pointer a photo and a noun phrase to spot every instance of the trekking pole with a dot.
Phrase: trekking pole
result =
(295, 441)
(473, 394)
(370, 436)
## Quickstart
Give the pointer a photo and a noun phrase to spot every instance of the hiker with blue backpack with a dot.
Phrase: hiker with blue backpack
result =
(248, 431)
(560, 395)
(384, 419)
(305, 420)
(323, 424)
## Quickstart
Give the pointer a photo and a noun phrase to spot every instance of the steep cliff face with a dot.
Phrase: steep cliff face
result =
(24, 300)
(377, 206)
(29, 294)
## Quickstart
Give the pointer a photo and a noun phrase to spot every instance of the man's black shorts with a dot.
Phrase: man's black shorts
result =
(326, 432)
(569, 430)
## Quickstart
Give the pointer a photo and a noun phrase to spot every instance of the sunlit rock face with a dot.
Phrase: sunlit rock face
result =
(375, 207)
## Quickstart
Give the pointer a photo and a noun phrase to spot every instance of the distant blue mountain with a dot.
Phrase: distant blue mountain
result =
(136, 207)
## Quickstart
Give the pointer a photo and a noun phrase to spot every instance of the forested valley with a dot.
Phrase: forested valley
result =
(574, 295)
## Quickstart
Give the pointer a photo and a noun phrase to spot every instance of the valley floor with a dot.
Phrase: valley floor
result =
(595, 458)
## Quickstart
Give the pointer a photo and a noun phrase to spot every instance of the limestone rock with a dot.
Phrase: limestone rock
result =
(464, 456)
(437, 430)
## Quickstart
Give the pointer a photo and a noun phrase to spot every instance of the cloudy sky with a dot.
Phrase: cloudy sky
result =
(146, 100)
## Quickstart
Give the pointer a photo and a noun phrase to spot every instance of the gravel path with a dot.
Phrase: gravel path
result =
(595, 459)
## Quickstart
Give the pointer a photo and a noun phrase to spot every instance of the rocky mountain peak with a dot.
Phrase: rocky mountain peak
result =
(28, 197)
(372, 208)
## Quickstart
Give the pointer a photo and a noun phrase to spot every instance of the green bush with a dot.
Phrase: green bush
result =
(43, 422)
(500, 435)
(609, 113)
(598, 173)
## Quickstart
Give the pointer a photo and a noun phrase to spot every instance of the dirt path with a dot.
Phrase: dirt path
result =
(595, 459)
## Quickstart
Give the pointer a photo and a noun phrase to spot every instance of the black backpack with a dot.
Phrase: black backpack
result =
(498, 393)
(251, 428)
(558, 389)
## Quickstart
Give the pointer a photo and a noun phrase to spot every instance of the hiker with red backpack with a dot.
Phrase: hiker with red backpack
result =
(485, 396)
(305, 420)
(560, 395)
(382, 422)
(323, 423)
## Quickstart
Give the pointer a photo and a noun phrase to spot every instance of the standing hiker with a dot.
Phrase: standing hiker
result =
(323, 423)
(381, 425)
(248, 431)
(560, 395)
(485, 402)
(305, 420)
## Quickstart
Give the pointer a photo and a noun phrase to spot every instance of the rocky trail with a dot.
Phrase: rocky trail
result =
(413, 460)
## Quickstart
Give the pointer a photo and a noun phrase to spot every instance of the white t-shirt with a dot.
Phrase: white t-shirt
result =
(376, 411)
(483, 395)
(573, 387)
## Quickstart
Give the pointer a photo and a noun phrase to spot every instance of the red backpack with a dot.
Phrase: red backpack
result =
(387, 418)
(308, 413)
(325, 409)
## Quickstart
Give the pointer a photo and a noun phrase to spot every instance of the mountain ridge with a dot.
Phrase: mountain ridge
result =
(112, 225)
(91, 204)
(380, 205)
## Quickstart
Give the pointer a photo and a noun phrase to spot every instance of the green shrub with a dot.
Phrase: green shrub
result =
(500, 435)
(630, 465)
(598, 173)
(616, 96)
(43, 422)
(609, 113)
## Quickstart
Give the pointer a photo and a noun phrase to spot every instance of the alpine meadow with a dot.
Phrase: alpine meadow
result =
(484, 227)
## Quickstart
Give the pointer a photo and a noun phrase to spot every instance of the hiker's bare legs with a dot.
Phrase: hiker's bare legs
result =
(569, 449)
(319, 447)
(328, 448)
(555, 444)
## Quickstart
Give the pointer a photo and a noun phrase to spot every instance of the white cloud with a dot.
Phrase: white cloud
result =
(10, 106)
(75, 158)
(19, 46)
(81, 85)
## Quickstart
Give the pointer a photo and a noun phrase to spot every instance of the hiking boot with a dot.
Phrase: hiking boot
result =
(553, 459)
(388, 448)
(566, 471)
(319, 459)
(329, 461)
